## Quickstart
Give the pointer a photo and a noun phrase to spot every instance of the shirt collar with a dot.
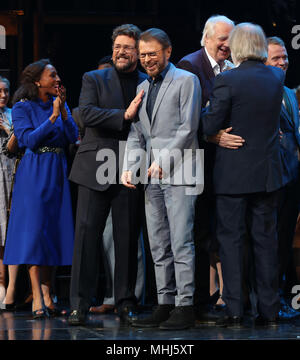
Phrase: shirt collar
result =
(214, 64)
(161, 76)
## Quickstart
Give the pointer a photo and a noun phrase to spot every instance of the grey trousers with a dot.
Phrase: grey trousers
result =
(170, 221)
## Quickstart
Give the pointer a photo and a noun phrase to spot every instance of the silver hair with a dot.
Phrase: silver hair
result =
(209, 27)
(248, 41)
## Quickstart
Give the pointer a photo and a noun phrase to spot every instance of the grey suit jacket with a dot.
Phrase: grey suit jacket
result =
(173, 131)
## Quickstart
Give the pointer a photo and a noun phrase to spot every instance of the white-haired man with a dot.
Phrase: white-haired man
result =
(207, 63)
(248, 99)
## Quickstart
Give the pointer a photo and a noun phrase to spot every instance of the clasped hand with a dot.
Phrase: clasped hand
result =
(59, 104)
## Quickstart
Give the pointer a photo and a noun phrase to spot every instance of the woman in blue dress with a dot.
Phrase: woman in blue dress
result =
(40, 229)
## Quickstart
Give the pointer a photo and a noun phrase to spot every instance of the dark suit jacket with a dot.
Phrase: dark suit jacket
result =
(248, 98)
(102, 111)
(290, 142)
(198, 64)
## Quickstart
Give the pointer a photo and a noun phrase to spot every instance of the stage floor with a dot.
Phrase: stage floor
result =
(20, 326)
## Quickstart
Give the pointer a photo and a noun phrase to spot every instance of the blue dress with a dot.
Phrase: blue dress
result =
(40, 228)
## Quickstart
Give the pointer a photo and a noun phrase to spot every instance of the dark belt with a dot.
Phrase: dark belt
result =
(45, 149)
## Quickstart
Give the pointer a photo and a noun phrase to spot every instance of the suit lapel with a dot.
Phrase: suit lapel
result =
(143, 111)
(207, 77)
(113, 79)
(208, 70)
(295, 111)
(287, 116)
(165, 84)
(288, 109)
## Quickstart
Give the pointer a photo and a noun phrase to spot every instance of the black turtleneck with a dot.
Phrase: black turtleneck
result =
(128, 83)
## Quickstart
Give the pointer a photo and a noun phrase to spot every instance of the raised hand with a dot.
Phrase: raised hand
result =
(62, 93)
(56, 109)
(132, 109)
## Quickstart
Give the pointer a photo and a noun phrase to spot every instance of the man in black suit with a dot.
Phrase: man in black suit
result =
(246, 180)
(105, 95)
(288, 204)
(206, 63)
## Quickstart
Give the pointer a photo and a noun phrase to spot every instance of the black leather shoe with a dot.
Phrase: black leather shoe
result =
(128, 314)
(182, 317)
(161, 313)
(208, 316)
(230, 321)
(262, 321)
(77, 317)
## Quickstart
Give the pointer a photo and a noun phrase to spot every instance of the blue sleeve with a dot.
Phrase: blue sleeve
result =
(24, 130)
(70, 127)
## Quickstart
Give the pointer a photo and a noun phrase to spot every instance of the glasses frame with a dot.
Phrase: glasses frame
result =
(152, 54)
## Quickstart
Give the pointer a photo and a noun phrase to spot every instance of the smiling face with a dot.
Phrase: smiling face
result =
(153, 57)
(217, 45)
(49, 82)
(4, 94)
(277, 56)
(125, 54)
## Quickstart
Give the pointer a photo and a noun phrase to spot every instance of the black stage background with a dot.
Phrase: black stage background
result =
(75, 34)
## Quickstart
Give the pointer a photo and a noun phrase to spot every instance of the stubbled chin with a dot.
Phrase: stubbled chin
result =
(121, 65)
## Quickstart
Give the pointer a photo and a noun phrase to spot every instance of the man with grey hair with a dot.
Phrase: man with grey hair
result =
(206, 63)
(288, 199)
(246, 180)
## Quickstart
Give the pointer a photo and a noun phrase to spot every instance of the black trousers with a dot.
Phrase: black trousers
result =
(204, 229)
(260, 211)
(92, 211)
(288, 210)
(204, 237)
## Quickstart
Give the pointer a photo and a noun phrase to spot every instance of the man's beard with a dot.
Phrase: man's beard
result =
(123, 67)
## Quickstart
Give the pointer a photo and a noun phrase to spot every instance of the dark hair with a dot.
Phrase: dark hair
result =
(158, 35)
(105, 60)
(32, 73)
(128, 30)
(275, 40)
(6, 81)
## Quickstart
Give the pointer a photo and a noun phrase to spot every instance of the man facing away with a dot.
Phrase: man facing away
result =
(207, 63)
(169, 119)
(246, 180)
(107, 97)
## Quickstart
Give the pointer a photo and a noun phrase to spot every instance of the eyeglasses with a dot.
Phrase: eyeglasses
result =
(126, 48)
(152, 54)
